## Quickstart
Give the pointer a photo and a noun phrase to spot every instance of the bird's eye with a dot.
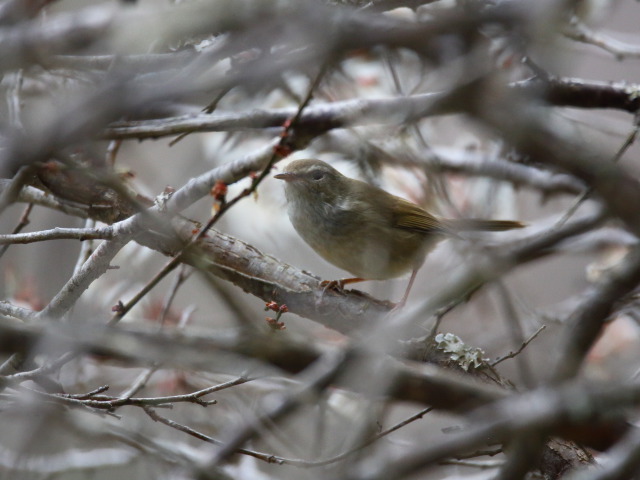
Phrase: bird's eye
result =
(317, 175)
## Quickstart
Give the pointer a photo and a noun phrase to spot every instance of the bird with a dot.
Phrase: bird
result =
(363, 229)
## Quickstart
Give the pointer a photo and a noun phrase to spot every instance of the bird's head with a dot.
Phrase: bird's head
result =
(313, 179)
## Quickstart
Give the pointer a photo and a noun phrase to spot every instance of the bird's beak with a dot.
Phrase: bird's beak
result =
(286, 176)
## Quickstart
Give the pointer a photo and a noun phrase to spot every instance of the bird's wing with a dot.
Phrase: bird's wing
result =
(408, 216)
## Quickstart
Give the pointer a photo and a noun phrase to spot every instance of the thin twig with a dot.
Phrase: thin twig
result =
(522, 347)
(144, 377)
(271, 458)
(517, 334)
(82, 396)
(23, 222)
(479, 464)
(579, 32)
(584, 196)
(111, 403)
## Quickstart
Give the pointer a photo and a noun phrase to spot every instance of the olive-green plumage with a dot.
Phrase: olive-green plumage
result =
(362, 229)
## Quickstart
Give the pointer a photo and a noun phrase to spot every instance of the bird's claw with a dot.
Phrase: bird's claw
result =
(337, 285)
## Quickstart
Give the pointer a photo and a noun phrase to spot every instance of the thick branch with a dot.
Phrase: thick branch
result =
(558, 92)
(421, 383)
(540, 410)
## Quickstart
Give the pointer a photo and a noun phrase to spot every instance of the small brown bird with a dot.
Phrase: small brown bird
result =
(362, 229)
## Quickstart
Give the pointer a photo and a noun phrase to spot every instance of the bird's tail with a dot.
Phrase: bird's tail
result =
(474, 225)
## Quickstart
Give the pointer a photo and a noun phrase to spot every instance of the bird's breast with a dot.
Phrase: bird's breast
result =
(356, 241)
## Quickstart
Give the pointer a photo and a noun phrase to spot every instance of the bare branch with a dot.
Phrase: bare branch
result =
(522, 347)
(437, 387)
(620, 50)
(58, 233)
(559, 92)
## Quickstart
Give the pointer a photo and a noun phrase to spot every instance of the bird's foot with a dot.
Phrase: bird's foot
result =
(327, 285)
(336, 285)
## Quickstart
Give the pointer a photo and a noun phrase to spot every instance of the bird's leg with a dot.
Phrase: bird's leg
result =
(402, 302)
(339, 284)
